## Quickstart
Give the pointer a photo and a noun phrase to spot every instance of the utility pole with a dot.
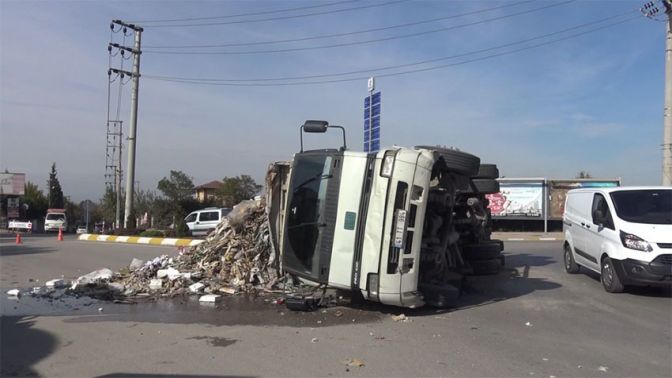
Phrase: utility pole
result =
(667, 116)
(652, 11)
(132, 132)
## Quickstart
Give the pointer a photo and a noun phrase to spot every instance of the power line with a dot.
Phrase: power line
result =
(245, 14)
(281, 17)
(427, 21)
(491, 56)
(375, 40)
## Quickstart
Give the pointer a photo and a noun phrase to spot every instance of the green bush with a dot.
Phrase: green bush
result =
(152, 234)
(128, 231)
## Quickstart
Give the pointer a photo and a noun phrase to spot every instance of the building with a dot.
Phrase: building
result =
(207, 191)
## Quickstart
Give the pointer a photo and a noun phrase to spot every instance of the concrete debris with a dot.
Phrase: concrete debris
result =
(603, 369)
(93, 278)
(314, 340)
(56, 283)
(135, 264)
(400, 318)
(528, 324)
(210, 298)
(155, 284)
(196, 288)
(14, 293)
(237, 257)
(115, 287)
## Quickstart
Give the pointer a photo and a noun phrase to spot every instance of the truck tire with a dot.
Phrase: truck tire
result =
(486, 186)
(457, 161)
(486, 267)
(482, 251)
(487, 171)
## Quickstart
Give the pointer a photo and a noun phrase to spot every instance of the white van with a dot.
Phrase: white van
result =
(201, 222)
(55, 220)
(623, 233)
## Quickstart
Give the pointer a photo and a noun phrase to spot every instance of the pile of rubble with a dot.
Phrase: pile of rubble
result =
(237, 256)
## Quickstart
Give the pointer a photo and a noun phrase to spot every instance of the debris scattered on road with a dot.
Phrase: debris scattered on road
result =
(135, 264)
(210, 298)
(314, 340)
(155, 284)
(338, 313)
(197, 287)
(14, 293)
(603, 369)
(56, 283)
(355, 362)
(100, 309)
(528, 324)
(401, 318)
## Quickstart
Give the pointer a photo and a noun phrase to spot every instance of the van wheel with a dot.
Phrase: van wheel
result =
(570, 265)
(609, 277)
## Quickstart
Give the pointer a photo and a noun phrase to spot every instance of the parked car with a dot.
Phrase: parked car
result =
(202, 222)
(623, 233)
(81, 230)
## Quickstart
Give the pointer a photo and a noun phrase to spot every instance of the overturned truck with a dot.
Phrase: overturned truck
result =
(403, 226)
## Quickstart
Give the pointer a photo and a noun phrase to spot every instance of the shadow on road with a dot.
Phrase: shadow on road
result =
(21, 346)
(512, 282)
(24, 250)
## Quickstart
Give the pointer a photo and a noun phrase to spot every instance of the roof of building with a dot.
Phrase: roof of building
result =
(210, 185)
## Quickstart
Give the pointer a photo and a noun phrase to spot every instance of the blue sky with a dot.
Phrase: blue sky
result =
(591, 103)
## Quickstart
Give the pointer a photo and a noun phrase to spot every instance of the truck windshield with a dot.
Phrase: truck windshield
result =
(644, 206)
(55, 216)
(306, 211)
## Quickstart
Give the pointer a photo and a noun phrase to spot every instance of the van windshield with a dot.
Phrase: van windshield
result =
(652, 206)
(55, 217)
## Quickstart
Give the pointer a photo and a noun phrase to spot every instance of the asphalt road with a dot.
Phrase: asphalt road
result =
(531, 320)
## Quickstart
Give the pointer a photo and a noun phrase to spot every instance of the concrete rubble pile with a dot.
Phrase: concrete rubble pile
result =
(237, 257)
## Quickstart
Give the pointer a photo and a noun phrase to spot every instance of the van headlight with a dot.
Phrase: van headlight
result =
(388, 164)
(635, 242)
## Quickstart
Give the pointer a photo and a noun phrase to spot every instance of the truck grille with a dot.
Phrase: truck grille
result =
(664, 245)
(664, 259)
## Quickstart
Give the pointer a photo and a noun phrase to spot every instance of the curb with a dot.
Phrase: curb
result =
(140, 240)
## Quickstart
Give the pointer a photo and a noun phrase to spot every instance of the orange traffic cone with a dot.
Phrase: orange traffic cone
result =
(18, 238)
(60, 234)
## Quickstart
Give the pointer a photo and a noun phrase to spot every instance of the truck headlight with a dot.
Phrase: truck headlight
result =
(635, 242)
(388, 164)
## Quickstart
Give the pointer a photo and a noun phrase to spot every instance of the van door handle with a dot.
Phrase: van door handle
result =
(587, 226)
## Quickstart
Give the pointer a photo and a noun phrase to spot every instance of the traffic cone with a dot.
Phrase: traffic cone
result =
(60, 234)
(18, 238)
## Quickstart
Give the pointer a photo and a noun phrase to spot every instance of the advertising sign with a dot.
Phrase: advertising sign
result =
(558, 192)
(517, 199)
(12, 183)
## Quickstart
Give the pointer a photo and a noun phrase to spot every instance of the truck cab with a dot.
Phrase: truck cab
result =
(55, 220)
(378, 223)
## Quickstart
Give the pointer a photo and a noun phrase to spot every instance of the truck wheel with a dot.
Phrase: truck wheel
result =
(482, 251)
(457, 161)
(609, 277)
(486, 267)
(487, 171)
(570, 265)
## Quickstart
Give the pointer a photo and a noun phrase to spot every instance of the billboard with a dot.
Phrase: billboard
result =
(12, 183)
(558, 192)
(518, 200)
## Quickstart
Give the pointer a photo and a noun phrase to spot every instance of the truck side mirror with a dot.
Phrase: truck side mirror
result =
(313, 126)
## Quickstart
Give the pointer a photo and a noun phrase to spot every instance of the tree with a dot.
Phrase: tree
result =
(583, 175)
(108, 206)
(236, 189)
(179, 191)
(35, 200)
(178, 188)
(55, 192)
